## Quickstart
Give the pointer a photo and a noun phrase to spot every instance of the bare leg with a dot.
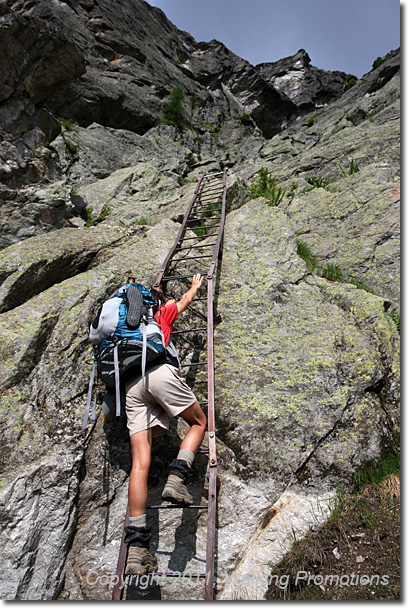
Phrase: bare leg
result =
(138, 483)
(195, 417)
(175, 489)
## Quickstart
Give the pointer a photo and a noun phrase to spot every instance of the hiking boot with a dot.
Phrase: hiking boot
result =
(140, 561)
(176, 492)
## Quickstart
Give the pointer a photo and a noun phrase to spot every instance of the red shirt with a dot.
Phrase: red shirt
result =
(166, 320)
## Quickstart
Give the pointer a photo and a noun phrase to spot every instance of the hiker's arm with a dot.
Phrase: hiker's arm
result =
(188, 297)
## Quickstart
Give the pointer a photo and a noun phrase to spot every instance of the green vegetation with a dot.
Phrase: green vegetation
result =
(332, 273)
(141, 221)
(89, 222)
(173, 110)
(208, 126)
(354, 168)
(319, 182)
(292, 191)
(395, 316)
(313, 118)
(266, 186)
(351, 80)
(324, 182)
(374, 473)
(247, 120)
(377, 62)
(307, 255)
(359, 285)
(67, 124)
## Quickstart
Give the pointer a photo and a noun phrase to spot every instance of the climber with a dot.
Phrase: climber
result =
(148, 411)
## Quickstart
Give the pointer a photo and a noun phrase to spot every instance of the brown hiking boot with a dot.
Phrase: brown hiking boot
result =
(140, 561)
(176, 492)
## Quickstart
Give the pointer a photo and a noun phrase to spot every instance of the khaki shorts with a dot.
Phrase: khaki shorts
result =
(165, 395)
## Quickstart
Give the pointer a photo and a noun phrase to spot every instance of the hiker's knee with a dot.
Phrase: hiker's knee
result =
(141, 463)
(141, 450)
(194, 415)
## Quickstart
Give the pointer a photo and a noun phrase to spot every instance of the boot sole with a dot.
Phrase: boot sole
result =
(135, 301)
(142, 570)
(176, 499)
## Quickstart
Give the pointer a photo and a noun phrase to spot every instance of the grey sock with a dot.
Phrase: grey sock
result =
(140, 521)
(188, 456)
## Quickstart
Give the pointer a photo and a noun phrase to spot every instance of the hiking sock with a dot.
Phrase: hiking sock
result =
(188, 456)
(140, 521)
(137, 536)
(180, 468)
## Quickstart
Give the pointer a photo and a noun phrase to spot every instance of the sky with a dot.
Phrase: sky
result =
(346, 35)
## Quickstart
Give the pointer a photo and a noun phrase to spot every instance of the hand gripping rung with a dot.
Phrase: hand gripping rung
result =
(180, 277)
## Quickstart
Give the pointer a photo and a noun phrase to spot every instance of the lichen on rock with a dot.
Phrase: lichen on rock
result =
(93, 189)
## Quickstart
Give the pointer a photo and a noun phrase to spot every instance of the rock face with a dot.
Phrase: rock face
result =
(307, 86)
(307, 364)
(319, 397)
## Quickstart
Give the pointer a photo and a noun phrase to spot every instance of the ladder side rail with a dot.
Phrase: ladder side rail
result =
(210, 547)
(211, 524)
(118, 590)
(180, 234)
(221, 230)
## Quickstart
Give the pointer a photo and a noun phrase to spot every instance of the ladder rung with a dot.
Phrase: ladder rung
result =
(198, 246)
(190, 330)
(202, 203)
(194, 364)
(211, 189)
(180, 277)
(176, 450)
(203, 227)
(190, 258)
(206, 218)
(207, 176)
(176, 574)
(211, 195)
(157, 506)
(214, 209)
(199, 236)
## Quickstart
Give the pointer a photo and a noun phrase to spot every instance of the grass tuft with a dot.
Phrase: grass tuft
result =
(307, 255)
(266, 186)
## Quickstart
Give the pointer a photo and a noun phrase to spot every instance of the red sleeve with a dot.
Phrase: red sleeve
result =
(170, 313)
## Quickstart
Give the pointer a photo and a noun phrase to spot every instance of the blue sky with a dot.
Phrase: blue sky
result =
(345, 35)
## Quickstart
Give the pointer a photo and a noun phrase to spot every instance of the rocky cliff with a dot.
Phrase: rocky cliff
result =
(307, 350)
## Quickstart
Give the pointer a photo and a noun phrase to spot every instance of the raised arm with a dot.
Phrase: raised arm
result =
(188, 297)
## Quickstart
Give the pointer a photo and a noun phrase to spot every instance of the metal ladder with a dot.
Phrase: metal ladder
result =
(204, 219)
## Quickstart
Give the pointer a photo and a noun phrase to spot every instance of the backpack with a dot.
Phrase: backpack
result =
(126, 338)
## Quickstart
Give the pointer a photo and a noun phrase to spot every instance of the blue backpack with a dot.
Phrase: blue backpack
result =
(125, 336)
